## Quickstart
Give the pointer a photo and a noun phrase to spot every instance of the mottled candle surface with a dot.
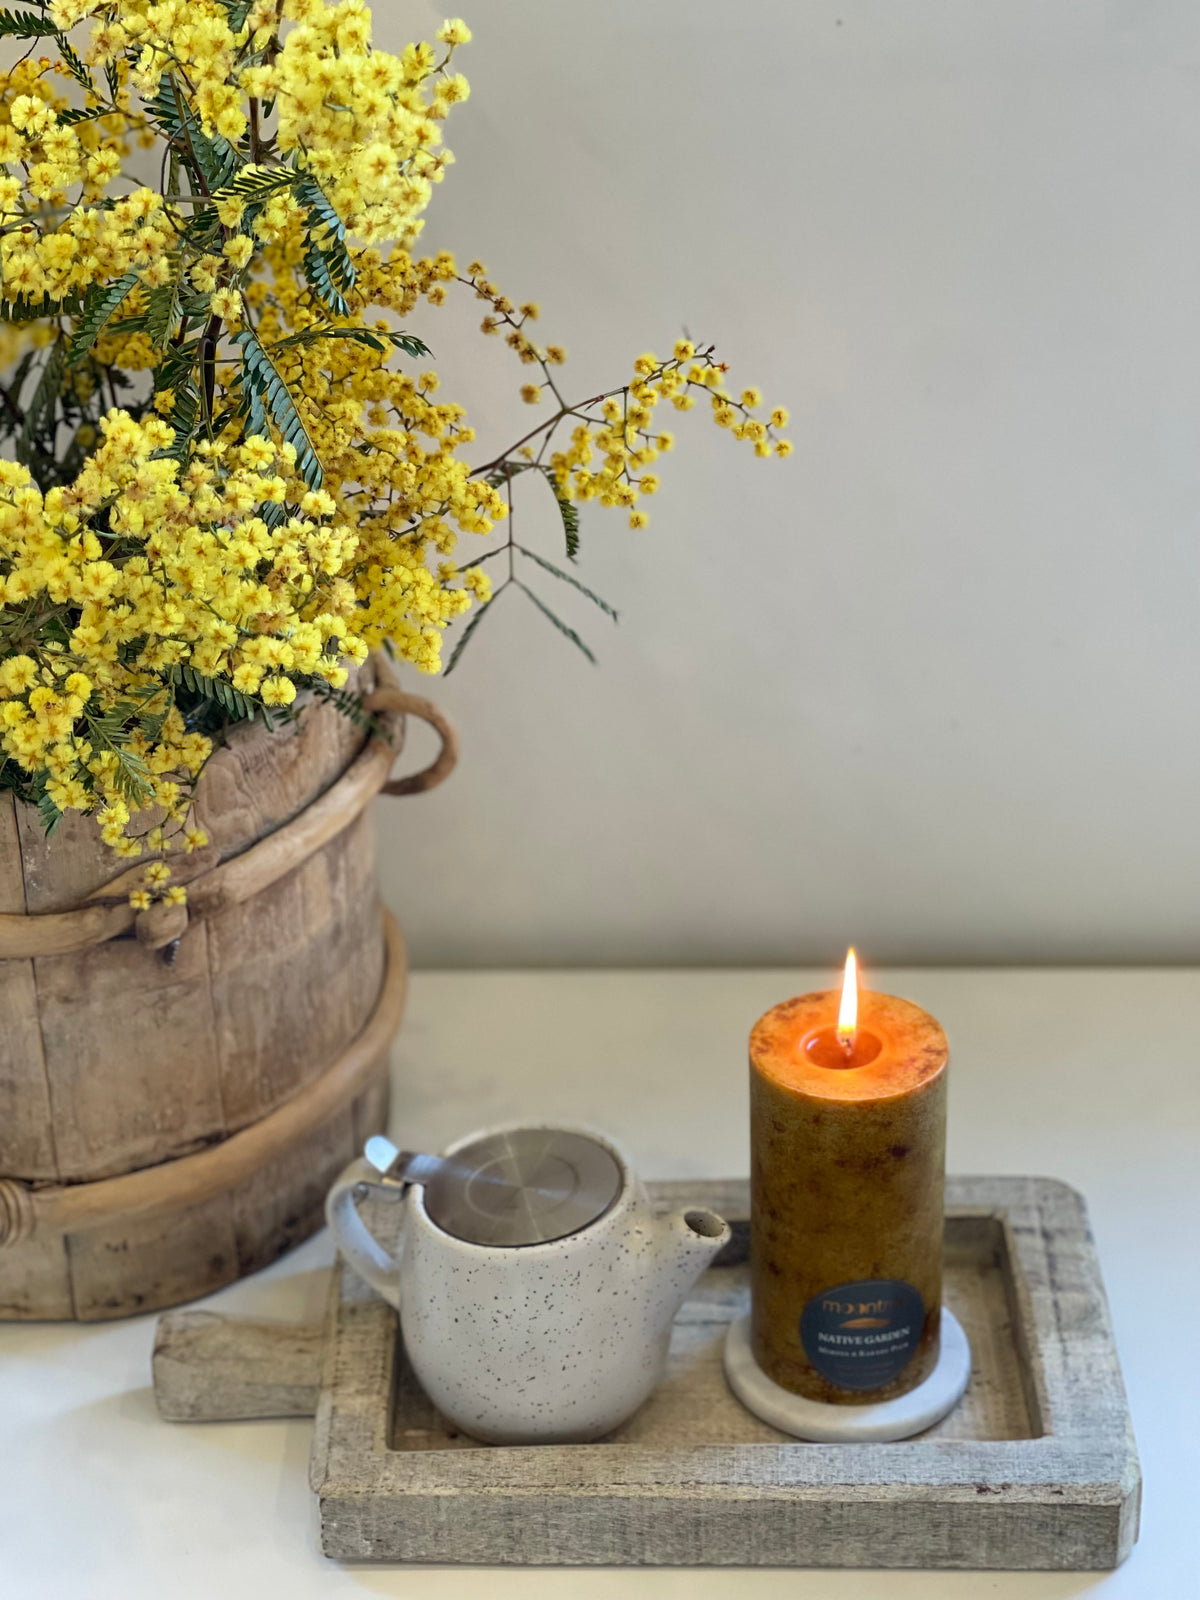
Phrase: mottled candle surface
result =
(847, 1179)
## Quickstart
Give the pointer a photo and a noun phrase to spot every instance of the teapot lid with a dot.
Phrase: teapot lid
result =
(521, 1186)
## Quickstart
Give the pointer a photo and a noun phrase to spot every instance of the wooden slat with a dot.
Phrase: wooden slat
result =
(152, 1261)
(61, 871)
(296, 971)
(257, 781)
(26, 1139)
(131, 1055)
(26, 1130)
(210, 1368)
(12, 883)
(284, 1202)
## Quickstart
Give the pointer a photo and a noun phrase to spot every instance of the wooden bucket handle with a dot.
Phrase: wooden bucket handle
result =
(413, 705)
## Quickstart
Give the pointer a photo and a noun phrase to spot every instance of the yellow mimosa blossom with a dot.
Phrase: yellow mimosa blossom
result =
(233, 483)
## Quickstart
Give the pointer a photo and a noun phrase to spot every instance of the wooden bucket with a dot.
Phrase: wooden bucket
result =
(179, 1086)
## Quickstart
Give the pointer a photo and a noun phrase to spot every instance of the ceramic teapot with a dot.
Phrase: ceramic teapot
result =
(535, 1284)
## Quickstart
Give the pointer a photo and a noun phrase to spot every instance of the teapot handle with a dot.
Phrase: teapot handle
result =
(355, 1240)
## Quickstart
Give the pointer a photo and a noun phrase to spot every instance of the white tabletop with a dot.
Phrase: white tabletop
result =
(1091, 1076)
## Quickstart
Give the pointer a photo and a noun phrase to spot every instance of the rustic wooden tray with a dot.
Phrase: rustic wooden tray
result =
(1036, 1467)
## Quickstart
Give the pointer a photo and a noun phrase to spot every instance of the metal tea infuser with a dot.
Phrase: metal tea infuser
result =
(519, 1187)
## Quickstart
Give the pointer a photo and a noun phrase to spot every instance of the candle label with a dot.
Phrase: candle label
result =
(863, 1335)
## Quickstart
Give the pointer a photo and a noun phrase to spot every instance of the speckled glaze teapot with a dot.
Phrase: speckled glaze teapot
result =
(535, 1285)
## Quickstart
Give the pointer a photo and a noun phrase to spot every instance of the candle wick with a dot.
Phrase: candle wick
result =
(847, 1042)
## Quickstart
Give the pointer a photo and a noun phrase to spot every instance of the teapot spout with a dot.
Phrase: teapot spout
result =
(691, 1241)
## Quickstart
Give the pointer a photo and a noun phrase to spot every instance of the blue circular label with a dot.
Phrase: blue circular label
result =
(863, 1335)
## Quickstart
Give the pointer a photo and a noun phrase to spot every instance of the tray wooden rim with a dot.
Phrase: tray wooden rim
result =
(1083, 1466)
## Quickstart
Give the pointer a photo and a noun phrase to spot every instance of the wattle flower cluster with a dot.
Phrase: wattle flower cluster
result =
(185, 572)
(234, 476)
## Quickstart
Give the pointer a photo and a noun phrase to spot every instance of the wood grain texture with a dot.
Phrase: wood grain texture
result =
(1036, 1468)
(152, 1261)
(26, 1136)
(284, 1202)
(260, 780)
(140, 1058)
(26, 1120)
(131, 1055)
(35, 1281)
(193, 1179)
(163, 1257)
(211, 1368)
(117, 1062)
(295, 971)
(12, 881)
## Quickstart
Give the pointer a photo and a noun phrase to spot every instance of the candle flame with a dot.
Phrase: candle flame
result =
(847, 1023)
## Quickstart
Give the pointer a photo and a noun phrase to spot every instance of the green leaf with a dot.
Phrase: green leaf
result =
(34, 310)
(74, 65)
(136, 324)
(566, 577)
(196, 305)
(240, 706)
(275, 513)
(464, 637)
(177, 364)
(322, 216)
(410, 344)
(320, 280)
(509, 471)
(183, 418)
(98, 305)
(558, 622)
(327, 264)
(132, 778)
(77, 114)
(238, 11)
(215, 158)
(255, 184)
(203, 233)
(162, 310)
(569, 512)
(151, 723)
(315, 335)
(265, 394)
(27, 26)
(109, 730)
(50, 814)
(378, 339)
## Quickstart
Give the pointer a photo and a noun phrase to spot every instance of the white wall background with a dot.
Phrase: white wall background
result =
(932, 684)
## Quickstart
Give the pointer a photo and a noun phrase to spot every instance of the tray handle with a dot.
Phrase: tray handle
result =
(210, 1368)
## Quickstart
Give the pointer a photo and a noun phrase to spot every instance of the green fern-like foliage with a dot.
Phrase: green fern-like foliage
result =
(212, 161)
(98, 306)
(265, 394)
(242, 707)
(27, 25)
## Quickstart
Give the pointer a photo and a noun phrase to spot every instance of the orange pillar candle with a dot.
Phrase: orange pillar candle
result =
(847, 1138)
